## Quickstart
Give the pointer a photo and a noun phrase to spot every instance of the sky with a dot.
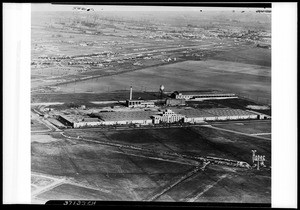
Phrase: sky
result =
(49, 7)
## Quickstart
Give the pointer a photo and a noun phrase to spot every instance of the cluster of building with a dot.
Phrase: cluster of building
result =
(175, 115)
(138, 116)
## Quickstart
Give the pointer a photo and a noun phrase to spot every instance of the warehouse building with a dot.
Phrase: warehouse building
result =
(201, 115)
(195, 115)
(203, 95)
(78, 121)
(123, 118)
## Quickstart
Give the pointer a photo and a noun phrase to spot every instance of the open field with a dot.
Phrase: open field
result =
(256, 56)
(223, 185)
(111, 173)
(256, 127)
(201, 141)
(85, 97)
(249, 79)
(121, 176)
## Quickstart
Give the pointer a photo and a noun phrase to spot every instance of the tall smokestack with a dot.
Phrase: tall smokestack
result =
(130, 96)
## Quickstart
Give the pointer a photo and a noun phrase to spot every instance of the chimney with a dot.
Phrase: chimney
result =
(130, 96)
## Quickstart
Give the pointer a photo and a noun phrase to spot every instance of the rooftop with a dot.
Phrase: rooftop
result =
(227, 112)
(121, 116)
(193, 113)
(216, 112)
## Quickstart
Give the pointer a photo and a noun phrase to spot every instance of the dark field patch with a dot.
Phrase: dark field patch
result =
(253, 80)
(73, 192)
(86, 97)
(200, 141)
(257, 56)
(249, 128)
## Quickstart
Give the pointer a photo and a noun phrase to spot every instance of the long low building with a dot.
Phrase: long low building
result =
(203, 95)
(201, 115)
(78, 121)
(129, 117)
(173, 115)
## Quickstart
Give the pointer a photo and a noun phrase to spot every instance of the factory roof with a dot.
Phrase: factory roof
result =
(123, 116)
(192, 112)
(72, 118)
(227, 112)
(217, 112)
(91, 119)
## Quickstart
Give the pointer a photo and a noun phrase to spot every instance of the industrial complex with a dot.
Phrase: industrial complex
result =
(149, 112)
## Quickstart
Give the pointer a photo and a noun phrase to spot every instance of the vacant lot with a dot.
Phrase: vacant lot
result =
(247, 127)
(201, 141)
(111, 173)
(121, 176)
(248, 79)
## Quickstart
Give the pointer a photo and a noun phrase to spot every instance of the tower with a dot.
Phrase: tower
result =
(161, 90)
(130, 96)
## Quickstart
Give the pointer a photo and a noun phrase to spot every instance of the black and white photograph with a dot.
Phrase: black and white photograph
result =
(151, 103)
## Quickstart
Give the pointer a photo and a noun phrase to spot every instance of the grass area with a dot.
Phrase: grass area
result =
(248, 127)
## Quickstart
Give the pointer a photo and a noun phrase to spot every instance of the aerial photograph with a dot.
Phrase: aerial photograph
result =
(151, 103)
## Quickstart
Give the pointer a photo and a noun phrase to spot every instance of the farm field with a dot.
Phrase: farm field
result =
(248, 79)
(112, 173)
(201, 141)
